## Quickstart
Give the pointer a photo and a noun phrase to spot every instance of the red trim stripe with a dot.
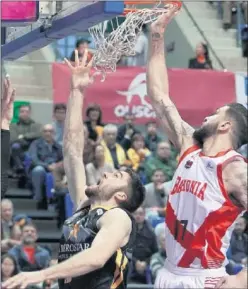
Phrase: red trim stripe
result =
(220, 154)
(187, 152)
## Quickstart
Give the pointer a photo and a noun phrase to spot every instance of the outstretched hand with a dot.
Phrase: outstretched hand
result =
(81, 77)
(161, 23)
(24, 279)
(7, 101)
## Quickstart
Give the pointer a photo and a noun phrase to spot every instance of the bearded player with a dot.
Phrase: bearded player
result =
(209, 190)
(96, 245)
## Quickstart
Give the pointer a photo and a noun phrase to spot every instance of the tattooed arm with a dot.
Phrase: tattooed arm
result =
(235, 181)
(73, 145)
(178, 131)
(73, 142)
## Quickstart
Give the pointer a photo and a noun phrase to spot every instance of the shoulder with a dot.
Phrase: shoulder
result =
(36, 142)
(149, 188)
(116, 216)
(15, 250)
(131, 151)
(149, 228)
(42, 251)
(191, 60)
(235, 165)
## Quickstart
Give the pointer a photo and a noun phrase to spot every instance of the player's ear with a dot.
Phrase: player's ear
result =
(225, 126)
(120, 196)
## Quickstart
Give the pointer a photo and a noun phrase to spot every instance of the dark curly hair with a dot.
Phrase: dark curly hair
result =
(136, 192)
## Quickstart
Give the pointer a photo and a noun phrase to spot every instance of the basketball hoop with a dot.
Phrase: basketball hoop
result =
(121, 41)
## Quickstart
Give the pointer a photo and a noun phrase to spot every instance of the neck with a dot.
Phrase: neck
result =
(100, 163)
(29, 245)
(213, 145)
(111, 146)
(93, 122)
(100, 203)
(60, 121)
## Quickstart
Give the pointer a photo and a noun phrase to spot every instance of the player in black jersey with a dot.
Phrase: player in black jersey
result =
(96, 244)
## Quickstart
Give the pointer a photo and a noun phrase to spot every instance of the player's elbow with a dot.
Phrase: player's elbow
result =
(99, 262)
(101, 259)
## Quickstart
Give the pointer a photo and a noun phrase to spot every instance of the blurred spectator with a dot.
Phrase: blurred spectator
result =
(144, 248)
(94, 122)
(244, 40)
(243, 151)
(229, 10)
(239, 241)
(10, 232)
(81, 45)
(30, 256)
(88, 147)
(113, 152)
(152, 137)
(202, 60)
(22, 134)
(59, 112)
(138, 152)
(46, 155)
(141, 49)
(156, 194)
(126, 131)
(96, 169)
(161, 160)
(9, 267)
(158, 259)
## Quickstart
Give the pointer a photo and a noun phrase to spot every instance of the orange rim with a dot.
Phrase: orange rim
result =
(137, 3)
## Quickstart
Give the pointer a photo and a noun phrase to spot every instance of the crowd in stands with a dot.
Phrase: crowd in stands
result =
(107, 148)
(36, 151)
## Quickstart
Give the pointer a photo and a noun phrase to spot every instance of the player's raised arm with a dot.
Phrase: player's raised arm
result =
(73, 142)
(178, 131)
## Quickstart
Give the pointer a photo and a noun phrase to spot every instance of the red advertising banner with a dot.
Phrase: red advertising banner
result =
(196, 93)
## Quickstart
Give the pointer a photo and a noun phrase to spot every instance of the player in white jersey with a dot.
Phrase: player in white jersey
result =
(209, 188)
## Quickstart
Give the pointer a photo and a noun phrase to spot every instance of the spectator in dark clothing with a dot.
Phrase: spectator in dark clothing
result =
(145, 247)
(202, 60)
(46, 155)
(7, 100)
(59, 112)
(157, 260)
(162, 160)
(126, 131)
(239, 243)
(9, 267)
(22, 134)
(94, 122)
(152, 138)
(30, 256)
(80, 46)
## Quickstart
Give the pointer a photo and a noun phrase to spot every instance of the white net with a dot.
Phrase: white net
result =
(121, 41)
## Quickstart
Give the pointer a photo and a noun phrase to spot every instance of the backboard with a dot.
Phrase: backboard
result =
(70, 18)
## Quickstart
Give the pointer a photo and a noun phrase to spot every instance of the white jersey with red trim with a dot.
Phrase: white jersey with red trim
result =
(200, 216)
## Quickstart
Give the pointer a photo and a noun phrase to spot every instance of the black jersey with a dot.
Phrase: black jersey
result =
(79, 232)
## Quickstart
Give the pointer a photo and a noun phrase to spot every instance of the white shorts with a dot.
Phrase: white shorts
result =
(166, 279)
